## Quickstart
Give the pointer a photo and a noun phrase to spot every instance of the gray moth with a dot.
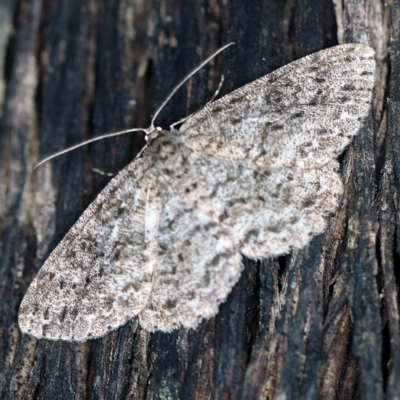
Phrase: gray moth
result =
(253, 173)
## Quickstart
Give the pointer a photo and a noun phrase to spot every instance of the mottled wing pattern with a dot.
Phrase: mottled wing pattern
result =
(253, 171)
(269, 211)
(198, 260)
(302, 114)
(100, 275)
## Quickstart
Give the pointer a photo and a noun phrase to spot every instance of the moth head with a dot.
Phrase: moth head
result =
(152, 134)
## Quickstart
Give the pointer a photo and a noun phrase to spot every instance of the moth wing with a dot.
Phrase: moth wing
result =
(100, 275)
(198, 261)
(305, 112)
(270, 211)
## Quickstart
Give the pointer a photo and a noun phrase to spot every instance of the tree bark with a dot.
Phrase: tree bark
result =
(322, 322)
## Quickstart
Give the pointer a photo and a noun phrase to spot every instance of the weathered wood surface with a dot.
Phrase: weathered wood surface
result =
(320, 323)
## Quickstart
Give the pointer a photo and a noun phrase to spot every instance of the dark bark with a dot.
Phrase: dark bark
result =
(320, 323)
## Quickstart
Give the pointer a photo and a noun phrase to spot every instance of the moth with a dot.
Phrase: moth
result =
(253, 173)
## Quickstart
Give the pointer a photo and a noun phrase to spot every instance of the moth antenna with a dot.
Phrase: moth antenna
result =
(172, 126)
(205, 105)
(185, 79)
(221, 82)
(148, 130)
(107, 135)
